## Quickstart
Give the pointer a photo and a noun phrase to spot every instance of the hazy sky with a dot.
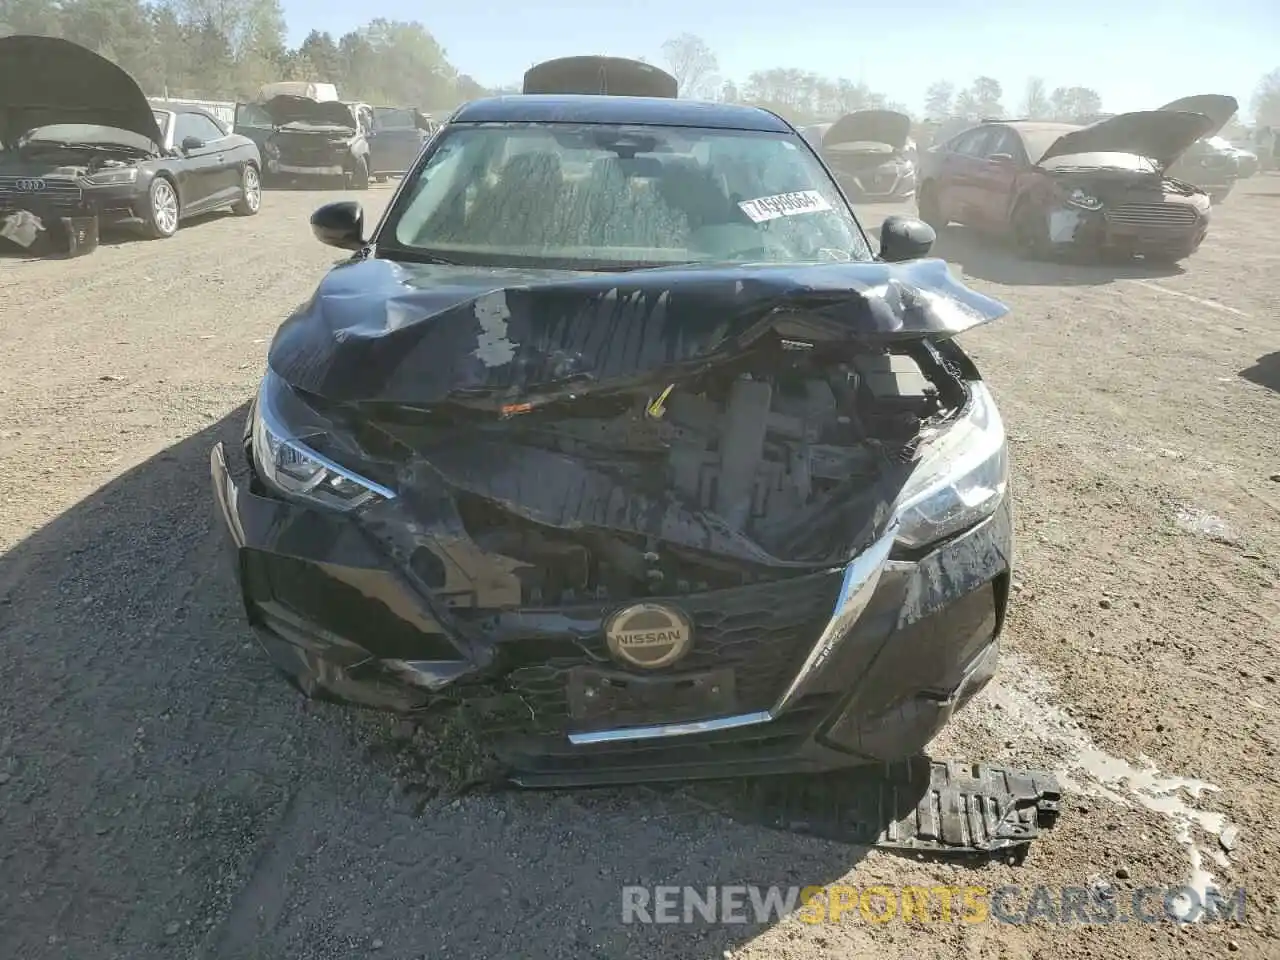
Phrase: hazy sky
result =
(1136, 54)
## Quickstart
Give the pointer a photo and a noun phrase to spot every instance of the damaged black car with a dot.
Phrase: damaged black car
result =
(82, 148)
(616, 435)
(313, 138)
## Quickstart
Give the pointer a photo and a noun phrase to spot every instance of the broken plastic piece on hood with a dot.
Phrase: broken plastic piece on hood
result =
(500, 339)
(22, 227)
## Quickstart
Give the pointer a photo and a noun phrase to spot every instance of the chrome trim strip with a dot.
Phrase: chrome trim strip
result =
(861, 577)
(671, 729)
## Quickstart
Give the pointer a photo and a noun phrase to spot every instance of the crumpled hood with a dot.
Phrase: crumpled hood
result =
(1159, 135)
(289, 109)
(47, 80)
(376, 330)
(1218, 107)
(870, 126)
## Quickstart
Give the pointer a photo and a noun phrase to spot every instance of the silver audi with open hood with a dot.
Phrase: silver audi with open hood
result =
(81, 146)
(1210, 163)
(312, 138)
(870, 152)
(615, 434)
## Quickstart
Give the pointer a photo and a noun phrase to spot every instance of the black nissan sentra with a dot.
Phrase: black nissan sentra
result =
(615, 432)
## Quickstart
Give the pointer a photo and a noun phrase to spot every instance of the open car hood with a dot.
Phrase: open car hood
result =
(290, 109)
(47, 80)
(609, 76)
(870, 126)
(1159, 135)
(1218, 107)
(496, 340)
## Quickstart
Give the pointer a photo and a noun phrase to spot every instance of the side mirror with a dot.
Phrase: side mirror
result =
(339, 224)
(905, 238)
(191, 143)
(1001, 158)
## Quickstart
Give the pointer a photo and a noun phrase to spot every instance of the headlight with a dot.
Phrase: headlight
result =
(1085, 201)
(121, 175)
(281, 425)
(960, 478)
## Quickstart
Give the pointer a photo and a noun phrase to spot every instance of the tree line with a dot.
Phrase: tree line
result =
(803, 96)
(226, 49)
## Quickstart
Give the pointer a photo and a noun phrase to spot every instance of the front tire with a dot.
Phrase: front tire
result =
(1030, 231)
(929, 208)
(358, 179)
(250, 192)
(162, 209)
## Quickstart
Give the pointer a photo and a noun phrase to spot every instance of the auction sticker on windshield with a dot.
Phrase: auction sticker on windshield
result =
(784, 205)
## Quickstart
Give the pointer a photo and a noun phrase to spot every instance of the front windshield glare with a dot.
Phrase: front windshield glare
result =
(596, 195)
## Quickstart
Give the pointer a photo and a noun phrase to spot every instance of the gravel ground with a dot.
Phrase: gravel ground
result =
(163, 794)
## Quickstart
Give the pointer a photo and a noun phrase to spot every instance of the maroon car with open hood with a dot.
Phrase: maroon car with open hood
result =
(1056, 186)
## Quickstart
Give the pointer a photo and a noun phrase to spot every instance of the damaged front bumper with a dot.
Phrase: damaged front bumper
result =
(1163, 229)
(821, 671)
(306, 170)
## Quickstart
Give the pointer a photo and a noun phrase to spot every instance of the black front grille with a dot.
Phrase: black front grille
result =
(762, 632)
(309, 149)
(35, 192)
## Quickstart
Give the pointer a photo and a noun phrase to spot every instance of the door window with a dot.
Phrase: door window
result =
(1003, 141)
(196, 125)
(974, 143)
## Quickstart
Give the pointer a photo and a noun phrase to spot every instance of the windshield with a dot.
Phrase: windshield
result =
(84, 133)
(393, 118)
(252, 115)
(595, 195)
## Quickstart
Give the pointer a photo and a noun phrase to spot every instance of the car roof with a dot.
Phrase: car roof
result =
(167, 106)
(594, 108)
(1035, 126)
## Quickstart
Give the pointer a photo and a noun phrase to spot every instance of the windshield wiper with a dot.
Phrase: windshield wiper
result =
(75, 145)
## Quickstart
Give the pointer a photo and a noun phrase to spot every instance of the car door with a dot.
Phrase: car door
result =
(958, 183)
(200, 167)
(224, 183)
(994, 174)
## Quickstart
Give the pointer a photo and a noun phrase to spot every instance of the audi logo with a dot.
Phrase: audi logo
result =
(31, 186)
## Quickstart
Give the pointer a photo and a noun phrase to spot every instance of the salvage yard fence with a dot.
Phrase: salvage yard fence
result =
(224, 110)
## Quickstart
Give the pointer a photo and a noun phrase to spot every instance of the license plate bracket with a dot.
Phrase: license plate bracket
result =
(610, 698)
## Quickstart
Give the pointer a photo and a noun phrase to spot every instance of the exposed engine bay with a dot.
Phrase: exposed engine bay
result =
(792, 453)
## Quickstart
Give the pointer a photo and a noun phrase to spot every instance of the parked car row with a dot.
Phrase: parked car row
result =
(81, 146)
(351, 143)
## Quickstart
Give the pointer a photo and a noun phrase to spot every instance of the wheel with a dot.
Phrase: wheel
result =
(358, 179)
(930, 209)
(250, 192)
(162, 209)
(1030, 231)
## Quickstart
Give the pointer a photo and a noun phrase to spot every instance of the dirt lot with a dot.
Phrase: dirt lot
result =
(163, 794)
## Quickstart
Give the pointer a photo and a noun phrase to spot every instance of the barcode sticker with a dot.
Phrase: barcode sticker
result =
(784, 205)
